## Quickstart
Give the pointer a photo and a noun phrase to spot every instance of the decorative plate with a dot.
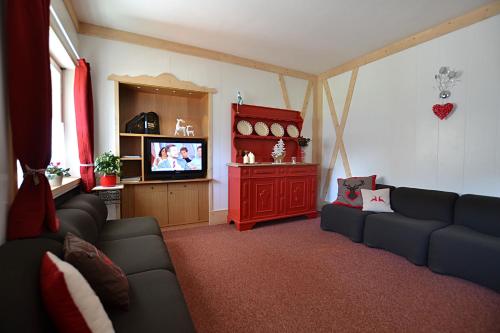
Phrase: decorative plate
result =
(277, 130)
(261, 128)
(292, 131)
(244, 127)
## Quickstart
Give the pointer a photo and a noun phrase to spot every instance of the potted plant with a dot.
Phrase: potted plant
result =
(55, 174)
(108, 165)
(303, 143)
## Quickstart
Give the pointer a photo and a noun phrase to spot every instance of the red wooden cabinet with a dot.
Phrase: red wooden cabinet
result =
(264, 192)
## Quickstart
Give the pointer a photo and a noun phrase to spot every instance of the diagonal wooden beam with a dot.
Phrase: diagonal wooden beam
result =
(339, 130)
(284, 91)
(307, 97)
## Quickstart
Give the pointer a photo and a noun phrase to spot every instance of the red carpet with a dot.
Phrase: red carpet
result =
(294, 277)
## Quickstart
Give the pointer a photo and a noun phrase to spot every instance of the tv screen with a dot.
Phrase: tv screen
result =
(174, 158)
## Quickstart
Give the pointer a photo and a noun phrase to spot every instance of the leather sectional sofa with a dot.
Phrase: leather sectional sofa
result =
(136, 245)
(452, 234)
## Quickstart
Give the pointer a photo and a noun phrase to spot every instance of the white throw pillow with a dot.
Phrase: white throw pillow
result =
(377, 200)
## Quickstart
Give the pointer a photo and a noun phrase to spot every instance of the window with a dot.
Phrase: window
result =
(62, 83)
(58, 142)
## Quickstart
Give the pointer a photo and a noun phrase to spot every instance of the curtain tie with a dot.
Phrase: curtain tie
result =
(87, 165)
(33, 172)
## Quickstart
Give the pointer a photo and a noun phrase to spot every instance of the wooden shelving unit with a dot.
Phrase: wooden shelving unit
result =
(172, 202)
(262, 146)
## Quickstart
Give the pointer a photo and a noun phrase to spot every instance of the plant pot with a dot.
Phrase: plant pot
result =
(55, 180)
(108, 180)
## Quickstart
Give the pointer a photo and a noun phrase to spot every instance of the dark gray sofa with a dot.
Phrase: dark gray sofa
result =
(136, 245)
(470, 248)
(347, 221)
(458, 236)
(406, 232)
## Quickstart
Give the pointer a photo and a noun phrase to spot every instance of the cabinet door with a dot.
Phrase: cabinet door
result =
(264, 197)
(183, 206)
(151, 200)
(297, 194)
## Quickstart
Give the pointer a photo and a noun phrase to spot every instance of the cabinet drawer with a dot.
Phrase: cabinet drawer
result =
(265, 171)
(302, 170)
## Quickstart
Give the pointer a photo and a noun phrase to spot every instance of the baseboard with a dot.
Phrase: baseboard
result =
(217, 217)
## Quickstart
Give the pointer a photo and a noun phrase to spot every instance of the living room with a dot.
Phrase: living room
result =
(302, 166)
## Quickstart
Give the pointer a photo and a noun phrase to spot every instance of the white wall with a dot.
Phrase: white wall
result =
(257, 87)
(4, 167)
(392, 132)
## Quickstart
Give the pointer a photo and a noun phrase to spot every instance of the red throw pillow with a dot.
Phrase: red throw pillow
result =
(70, 302)
(106, 279)
(349, 193)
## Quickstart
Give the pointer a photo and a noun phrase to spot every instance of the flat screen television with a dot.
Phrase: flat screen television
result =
(174, 158)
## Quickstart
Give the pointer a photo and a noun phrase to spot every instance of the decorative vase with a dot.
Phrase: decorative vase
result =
(279, 159)
(108, 180)
(302, 154)
(54, 180)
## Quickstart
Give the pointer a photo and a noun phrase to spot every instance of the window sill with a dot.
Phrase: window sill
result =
(68, 184)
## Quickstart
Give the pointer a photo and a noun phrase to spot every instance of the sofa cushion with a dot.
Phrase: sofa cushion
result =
(91, 204)
(106, 279)
(21, 307)
(401, 235)
(131, 227)
(138, 254)
(156, 305)
(480, 213)
(69, 299)
(460, 251)
(76, 221)
(424, 204)
(347, 221)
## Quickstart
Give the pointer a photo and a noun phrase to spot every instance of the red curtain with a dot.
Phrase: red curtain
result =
(30, 107)
(84, 109)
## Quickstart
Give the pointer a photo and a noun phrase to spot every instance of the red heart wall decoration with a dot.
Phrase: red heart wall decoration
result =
(442, 110)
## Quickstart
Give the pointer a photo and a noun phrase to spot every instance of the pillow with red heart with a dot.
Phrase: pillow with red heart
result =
(349, 193)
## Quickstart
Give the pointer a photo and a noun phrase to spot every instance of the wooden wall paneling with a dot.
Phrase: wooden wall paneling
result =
(454, 24)
(307, 97)
(284, 91)
(339, 130)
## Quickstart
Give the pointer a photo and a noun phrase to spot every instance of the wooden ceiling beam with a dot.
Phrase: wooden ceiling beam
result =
(457, 23)
(129, 37)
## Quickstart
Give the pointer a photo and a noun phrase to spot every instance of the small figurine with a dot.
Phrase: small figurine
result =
(179, 128)
(189, 130)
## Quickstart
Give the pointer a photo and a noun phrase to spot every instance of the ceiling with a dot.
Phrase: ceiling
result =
(307, 35)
